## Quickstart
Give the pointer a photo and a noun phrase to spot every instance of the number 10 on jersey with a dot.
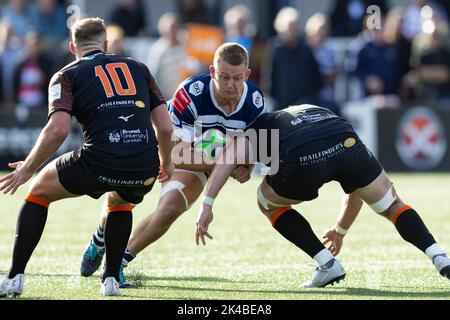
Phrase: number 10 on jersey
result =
(111, 68)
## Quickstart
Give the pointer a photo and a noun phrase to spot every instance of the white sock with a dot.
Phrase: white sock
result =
(433, 251)
(323, 257)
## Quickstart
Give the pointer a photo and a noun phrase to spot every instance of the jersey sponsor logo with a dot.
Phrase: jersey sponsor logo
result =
(126, 136)
(421, 142)
(149, 181)
(181, 101)
(322, 156)
(296, 122)
(140, 104)
(258, 100)
(350, 142)
(54, 93)
(196, 88)
(126, 118)
(114, 137)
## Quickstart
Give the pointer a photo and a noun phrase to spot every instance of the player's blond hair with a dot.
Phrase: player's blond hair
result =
(232, 53)
(88, 33)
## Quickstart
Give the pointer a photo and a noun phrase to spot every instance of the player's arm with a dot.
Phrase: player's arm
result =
(333, 238)
(164, 130)
(50, 138)
(235, 150)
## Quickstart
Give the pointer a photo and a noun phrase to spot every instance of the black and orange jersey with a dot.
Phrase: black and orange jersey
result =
(112, 98)
(299, 125)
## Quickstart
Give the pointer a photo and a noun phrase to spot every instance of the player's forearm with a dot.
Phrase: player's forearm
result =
(351, 206)
(165, 146)
(195, 167)
(218, 178)
(49, 141)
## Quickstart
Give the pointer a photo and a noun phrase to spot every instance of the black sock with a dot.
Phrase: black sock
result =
(295, 228)
(117, 232)
(30, 225)
(413, 230)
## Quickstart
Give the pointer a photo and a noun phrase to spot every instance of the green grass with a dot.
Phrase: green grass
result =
(247, 259)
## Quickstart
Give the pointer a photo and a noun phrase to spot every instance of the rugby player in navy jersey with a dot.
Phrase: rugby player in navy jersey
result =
(224, 99)
(316, 147)
(116, 100)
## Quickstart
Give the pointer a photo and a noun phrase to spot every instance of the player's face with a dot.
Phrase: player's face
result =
(229, 80)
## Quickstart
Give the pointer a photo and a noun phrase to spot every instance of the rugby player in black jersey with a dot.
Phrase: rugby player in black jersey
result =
(316, 147)
(116, 100)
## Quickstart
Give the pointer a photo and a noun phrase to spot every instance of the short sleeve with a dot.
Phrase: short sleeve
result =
(60, 95)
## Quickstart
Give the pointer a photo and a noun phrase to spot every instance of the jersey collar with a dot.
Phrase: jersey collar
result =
(91, 55)
(239, 106)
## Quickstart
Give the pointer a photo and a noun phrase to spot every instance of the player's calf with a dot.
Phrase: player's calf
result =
(412, 229)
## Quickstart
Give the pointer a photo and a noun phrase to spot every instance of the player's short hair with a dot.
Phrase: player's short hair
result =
(232, 53)
(88, 33)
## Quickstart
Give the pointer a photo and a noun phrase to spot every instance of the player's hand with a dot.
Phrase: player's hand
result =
(333, 241)
(166, 172)
(203, 221)
(15, 179)
(242, 174)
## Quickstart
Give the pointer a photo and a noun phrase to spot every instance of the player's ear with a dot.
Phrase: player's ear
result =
(212, 71)
(72, 48)
(105, 46)
(248, 73)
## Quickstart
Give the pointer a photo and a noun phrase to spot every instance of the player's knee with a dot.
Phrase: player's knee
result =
(171, 192)
(385, 205)
(393, 209)
(114, 200)
(169, 212)
(39, 189)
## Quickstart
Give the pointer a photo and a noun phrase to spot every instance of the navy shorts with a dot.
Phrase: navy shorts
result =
(77, 177)
(343, 158)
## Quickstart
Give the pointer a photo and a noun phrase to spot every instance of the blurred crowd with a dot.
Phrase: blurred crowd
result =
(406, 57)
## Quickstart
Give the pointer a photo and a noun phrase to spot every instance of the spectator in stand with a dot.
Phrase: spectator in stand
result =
(33, 75)
(130, 16)
(291, 73)
(116, 38)
(378, 65)
(347, 16)
(432, 74)
(238, 26)
(11, 53)
(166, 57)
(49, 19)
(415, 17)
(317, 32)
(18, 14)
(194, 11)
(394, 36)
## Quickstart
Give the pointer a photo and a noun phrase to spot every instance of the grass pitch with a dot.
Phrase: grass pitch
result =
(247, 259)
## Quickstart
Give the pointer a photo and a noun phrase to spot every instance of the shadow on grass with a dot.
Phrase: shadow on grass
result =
(362, 293)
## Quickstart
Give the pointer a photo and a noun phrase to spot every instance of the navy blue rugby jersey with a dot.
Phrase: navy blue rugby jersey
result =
(194, 109)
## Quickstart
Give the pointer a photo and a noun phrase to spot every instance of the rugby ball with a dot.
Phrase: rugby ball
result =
(210, 144)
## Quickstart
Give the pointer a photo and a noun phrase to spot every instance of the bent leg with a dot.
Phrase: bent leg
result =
(172, 204)
(291, 224)
(297, 230)
(45, 189)
(381, 195)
